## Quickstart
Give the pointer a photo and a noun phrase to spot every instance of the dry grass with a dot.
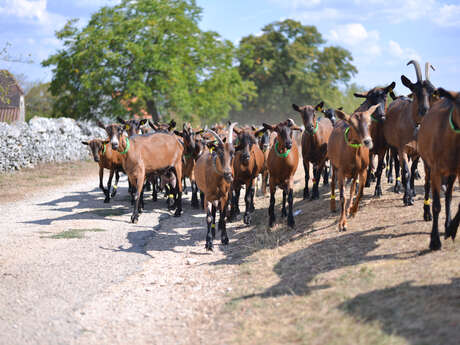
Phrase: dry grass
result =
(23, 183)
(375, 284)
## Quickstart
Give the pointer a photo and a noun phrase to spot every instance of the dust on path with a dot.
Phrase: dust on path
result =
(145, 283)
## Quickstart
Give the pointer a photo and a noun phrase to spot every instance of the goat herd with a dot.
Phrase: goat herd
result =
(219, 161)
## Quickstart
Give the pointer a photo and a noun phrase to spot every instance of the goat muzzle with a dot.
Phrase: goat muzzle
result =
(228, 177)
(368, 142)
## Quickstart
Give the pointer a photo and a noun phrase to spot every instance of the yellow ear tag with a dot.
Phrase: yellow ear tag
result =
(211, 149)
(261, 134)
(319, 109)
(128, 127)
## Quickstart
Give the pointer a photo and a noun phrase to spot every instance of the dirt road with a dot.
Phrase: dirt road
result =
(73, 270)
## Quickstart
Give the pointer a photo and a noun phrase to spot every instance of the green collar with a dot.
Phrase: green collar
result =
(348, 143)
(374, 119)
(127, 147)
(316, 128)
(105, 148)
(451, 122)
(282, 155)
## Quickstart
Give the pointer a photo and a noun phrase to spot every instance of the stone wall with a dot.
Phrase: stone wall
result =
(44, 140)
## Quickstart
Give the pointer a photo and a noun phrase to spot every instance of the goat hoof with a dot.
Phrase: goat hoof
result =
(283, 213)
(224, 241)
(208, 246)
(435, 244)
(291, 222)
(397, 188)
(106, 200)
(427, 217)
(134, 219)
(177, 213)
(390, 179)
(378, 192)
(344, 229)
(306, 194)
(247, 219)
(451, 231)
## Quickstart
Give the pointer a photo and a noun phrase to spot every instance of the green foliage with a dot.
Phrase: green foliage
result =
(152, 50)
(288, 63)
(39, 101)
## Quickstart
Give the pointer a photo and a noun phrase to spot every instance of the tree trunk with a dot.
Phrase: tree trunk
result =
(152, 109)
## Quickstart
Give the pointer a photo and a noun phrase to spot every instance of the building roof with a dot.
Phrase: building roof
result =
(10, 91)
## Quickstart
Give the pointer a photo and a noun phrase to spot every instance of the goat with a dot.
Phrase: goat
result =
(107, 159)
(247, 165)
(348, 149)
(314, 144)
(438, 143)
(402, 118)
(214, 176)
(266, 140)
(145, 156)
(192, 150)
(376, 96)
(282, 163)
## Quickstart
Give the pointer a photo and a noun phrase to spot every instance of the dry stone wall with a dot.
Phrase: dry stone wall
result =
(44, 140)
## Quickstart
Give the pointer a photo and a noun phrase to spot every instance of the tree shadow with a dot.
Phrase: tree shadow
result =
(300, 268)
(428, 314)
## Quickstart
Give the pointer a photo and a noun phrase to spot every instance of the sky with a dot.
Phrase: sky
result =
(382, 35)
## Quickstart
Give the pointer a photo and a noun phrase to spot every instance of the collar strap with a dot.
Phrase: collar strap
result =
(282, 155)
(374, 119)
(127, 147)
(104, 148)
(451, 121)
(355, 146)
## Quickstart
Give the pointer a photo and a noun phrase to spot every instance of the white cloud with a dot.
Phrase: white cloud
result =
(24, 9)
(355, 35)
(96, 3)
(396, 51)
(298, 3)
(448, 15)
(318, 16)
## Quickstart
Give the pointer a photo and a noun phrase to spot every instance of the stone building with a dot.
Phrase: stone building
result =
(12, 105)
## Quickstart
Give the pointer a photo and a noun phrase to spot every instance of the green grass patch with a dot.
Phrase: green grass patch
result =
(72, 233)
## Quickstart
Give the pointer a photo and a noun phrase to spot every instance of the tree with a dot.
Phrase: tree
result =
(39, 101)
(288, 64)
(148, 50)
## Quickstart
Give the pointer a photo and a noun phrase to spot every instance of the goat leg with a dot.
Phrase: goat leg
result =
(115, 186)
(271, 208)
(426, 202)
(306, 168)
(222, 216)
(325, 175)
(343, 216)
(317, 175)
(413, 173)
(248, 200)
(451, 230)
(283, 208)
(448, 200)
(397, 187)
(194, 195)
(378, 175)
(435, 242)
(209, 223)
(333, 180)
(290, 220)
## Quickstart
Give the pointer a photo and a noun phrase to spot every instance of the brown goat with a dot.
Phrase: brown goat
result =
(214, 176)
(348, 149)
(282, 163)
(438, 143)
(314, 144)
(265, 140)
(376, 96)
(247, 165)
(107, 159)
(402, 117)
(145, 156)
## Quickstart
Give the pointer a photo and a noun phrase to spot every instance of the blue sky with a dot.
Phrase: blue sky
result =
(382, 35)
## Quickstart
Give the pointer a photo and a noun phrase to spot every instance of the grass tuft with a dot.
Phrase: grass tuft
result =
(72, 233)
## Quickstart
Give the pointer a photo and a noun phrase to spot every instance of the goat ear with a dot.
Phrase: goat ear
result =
(407, 83)
(342, 115)
(360, 94)
(390, 87)
(178, 133)
(254, 128)
(260, 132)
(296, 128)
(341, 108)
(446, 94)
(296, 107)
(393, 95)
(319, 106)
(172, 124)
(371, 110)
(85, 143)
(267, 126)
(100, 124)
(143, 122)
(199, 131)
(119, 119)
(237, 130)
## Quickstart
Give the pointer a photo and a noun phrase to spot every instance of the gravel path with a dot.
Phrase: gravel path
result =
(148, 283)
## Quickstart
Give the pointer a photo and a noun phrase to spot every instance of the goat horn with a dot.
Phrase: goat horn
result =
(417, 69)
(427, 70)
(230, 132)
(291, 121)
(219, 140)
